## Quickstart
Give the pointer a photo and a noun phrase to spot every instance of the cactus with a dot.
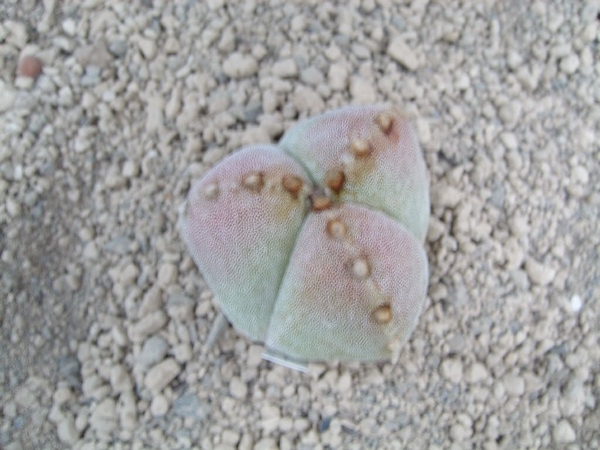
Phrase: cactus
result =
(314, 246)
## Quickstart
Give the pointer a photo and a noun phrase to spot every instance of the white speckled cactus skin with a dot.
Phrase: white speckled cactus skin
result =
(314, 246)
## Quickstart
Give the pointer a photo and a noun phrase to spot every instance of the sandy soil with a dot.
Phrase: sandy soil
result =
(104, 314)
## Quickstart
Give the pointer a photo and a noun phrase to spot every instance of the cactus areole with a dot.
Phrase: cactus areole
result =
(314, 246)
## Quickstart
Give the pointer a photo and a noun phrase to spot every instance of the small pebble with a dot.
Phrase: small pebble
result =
(104, 416)
(240, 66)
(238, 388)
(29, 66)
(338, 77)
(569, 64)
(147, 47)
(285, 69)
(362, 91)
(452, 370)
(576, 303)
(159, 406)
(189, 405)
(159, 376)
(154, 350)
(538, 273)
(66, 430)
(148, 325)
(402, 53)
(563, 433)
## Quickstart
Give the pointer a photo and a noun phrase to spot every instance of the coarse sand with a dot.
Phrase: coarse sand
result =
(104, 315)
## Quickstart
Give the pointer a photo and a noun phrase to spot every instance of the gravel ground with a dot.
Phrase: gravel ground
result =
(104, 314)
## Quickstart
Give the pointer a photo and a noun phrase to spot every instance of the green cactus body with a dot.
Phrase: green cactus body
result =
(314, 246)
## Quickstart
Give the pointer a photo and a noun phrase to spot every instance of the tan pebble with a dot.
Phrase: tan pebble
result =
(211, 191)
(334, 178)
(383, 313)
(292, 184)
(360, 268)
(29, 66)
(319, 203)
(360, 148)
(336, 228)
(254, 182)
(384, 121)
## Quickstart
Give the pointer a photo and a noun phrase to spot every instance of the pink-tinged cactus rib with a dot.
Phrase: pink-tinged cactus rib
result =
(353, 290)
(240, 223)
(378, 152)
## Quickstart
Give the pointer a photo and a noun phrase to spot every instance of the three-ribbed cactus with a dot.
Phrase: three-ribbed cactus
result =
(314, 246)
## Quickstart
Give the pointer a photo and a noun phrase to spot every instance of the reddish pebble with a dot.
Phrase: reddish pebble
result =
(29, 66)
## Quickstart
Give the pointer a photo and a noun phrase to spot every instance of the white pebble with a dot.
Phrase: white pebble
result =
(13, 208)
(7, 97)
(538, 273)
(128, 275)
(152, 301)
(120, 379)
(569, 64)
(60, 397)
(237, 388)
(576, 303)
(147, 325)
(159, 406)
(240, 66)
(446, 196)
(266, 444)
(154, 114)
(338, 77)
(69, 26)
(580, 174)
(17, 33)
(180, 307)
(509, 140)
(104, 416)
(307, 100)
(131, 169)
(476, 373)
(159, 376)
(147, 47)
(153, 351)
(459, 432)
(510, 113)
(66, 430)
(513, 59)
(167, 274)
(514, 385)
(519, 225)
(452, 370)
(182, 352)
(128, 410)
(285, 68)
(362, 91)
(402, 53)
(563, 433)
(311, 76)
(333, 52)
(254, 355)
(90, 251)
